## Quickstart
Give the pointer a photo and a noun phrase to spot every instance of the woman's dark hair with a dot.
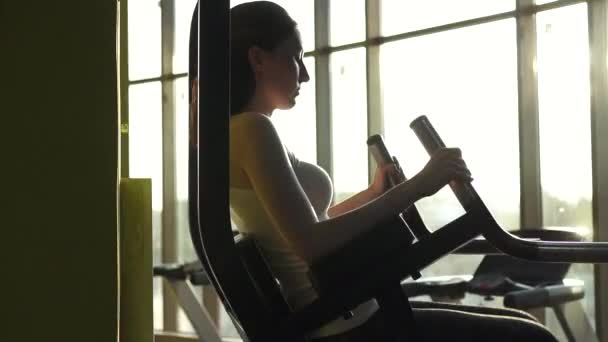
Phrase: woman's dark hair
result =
(259, 23)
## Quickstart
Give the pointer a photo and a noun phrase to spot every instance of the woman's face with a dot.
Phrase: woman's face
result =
(280, 73)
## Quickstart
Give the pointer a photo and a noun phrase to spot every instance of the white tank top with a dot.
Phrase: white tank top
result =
(249, 217)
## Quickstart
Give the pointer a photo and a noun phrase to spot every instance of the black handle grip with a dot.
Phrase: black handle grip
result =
(543, 296)
(431, 141)
(411, 215)
(378, 150)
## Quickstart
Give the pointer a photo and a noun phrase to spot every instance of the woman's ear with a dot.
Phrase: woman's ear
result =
(256, 58)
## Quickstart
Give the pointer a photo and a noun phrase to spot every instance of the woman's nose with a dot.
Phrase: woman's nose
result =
(304, 77)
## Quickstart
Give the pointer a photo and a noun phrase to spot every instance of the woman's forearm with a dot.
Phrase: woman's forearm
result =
(332, 234)
(352, 202)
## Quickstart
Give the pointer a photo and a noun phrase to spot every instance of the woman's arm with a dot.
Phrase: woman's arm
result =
(351, 203)
(377, 188)
(259, 152)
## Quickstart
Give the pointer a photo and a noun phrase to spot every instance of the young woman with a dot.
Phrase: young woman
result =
(285, 203)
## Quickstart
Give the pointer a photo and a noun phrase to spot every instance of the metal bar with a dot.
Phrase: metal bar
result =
(379, 40)
(375, 123)
(323, 88)
(547, 251)
(559, 313)
(529, 141)
(578, 322)
(551, 6)
(523, 11)
(169, 193)
(598, 41)
(201, 321)
(211, 302)
(163, 77)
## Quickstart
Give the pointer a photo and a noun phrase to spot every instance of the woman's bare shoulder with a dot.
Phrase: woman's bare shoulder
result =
(252, 133)
(249, 119)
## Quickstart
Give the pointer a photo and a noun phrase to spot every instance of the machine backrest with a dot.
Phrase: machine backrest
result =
(238, 270)
(267, 285)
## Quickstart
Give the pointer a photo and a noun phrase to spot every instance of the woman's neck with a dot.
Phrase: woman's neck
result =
(258, 105)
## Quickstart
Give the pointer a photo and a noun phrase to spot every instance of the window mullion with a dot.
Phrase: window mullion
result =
(169, 211)
(598, 41)
(323, 87)
(375, 123)
(529, 140)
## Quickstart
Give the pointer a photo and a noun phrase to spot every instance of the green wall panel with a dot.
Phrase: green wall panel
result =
(59, 152)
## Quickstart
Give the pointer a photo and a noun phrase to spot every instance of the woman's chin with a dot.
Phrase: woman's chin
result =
(288, 105)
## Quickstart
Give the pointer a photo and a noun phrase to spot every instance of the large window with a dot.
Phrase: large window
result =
(374, 70)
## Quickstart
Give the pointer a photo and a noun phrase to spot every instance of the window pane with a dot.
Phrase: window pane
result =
(347, 21)
(349, 122)
(565, 127)
(302, 11)
(400, 16)
(145, 161)
(298, 126)
(183, 15)
(185, 247)
(465, 81)
(144, 39)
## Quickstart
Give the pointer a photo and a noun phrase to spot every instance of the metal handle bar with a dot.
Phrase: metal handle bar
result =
(380, 153)
(582, 252)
